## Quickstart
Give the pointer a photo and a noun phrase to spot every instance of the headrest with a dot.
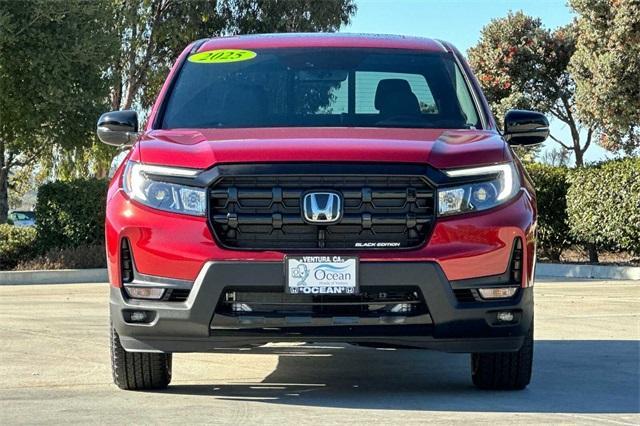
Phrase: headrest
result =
(388, 87)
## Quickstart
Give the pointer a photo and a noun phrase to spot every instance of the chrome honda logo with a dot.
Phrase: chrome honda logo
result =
(322, 207)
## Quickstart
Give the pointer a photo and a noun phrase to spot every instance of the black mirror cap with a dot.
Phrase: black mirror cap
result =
(118, 128)
(523, 127)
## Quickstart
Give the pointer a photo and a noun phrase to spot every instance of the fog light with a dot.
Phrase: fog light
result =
(505, 316)
(145, 292)
(498, 292)
(138, 316)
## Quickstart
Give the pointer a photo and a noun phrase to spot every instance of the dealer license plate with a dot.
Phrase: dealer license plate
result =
(321, 274)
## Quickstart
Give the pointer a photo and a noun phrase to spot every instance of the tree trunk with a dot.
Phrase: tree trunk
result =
(4, 185)
(579, 157)
(4, 196)
(578, 150)
(116, 94)
(593, 253)
(554, 255)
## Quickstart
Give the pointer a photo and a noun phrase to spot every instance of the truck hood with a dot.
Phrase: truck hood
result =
(204, 148)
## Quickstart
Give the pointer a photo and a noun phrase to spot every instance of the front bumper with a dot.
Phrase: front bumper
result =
(451, 325)
(179, 246)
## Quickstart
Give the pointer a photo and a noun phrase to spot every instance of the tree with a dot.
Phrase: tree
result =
(110, 52)
(606, 68)
(154, 32)
(52, 60)
(520, 64)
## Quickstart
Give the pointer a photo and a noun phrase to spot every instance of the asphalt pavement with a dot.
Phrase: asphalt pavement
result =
(54, 368)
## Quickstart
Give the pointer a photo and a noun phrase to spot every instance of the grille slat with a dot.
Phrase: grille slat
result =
(275, 218)
(466, 295)
(178, 294)
(126, 262)
(265, 211)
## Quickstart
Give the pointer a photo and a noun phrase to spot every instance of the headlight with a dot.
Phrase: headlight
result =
(144, 184)
(494, 185)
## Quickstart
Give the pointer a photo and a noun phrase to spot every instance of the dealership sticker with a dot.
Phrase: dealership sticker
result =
(222, 56)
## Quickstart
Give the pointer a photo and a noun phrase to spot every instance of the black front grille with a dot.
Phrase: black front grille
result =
(264, 211)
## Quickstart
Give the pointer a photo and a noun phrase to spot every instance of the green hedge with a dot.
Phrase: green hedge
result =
(82, 257)
(603, 204)
(71, 214)
(553, 226)
(17, 244)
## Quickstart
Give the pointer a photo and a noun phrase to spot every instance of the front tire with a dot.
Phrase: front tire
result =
(504, 370)
(138, 370)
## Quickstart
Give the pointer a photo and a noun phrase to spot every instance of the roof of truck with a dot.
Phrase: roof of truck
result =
(323, 40)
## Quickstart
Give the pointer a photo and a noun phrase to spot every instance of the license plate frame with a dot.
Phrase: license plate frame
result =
(322, 275)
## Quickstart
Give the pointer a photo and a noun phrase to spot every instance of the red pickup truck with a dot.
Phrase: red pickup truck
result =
(321, 187)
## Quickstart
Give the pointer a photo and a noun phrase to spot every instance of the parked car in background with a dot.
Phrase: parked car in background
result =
(22, 218)
(321, 188)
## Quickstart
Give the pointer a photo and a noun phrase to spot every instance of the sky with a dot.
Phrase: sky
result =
(460, 22)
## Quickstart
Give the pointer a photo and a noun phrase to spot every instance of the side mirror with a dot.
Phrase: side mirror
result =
(525, 127)
(119, 128)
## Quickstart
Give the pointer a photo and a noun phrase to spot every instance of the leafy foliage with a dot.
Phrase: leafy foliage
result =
(603, 204)
(50, 77)
(63, 62)
(520, 64)
(53, 56)
(71, 214)
(260, 16)
(16, 244)
(154, 32)
(606, 67)
(553, 227)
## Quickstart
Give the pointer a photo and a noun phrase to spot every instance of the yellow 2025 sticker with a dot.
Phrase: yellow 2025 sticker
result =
(222, 56)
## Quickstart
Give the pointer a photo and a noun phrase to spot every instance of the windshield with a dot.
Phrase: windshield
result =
(326, 87)
(23, 215)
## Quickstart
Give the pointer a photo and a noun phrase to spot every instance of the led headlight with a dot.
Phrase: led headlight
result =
(145, 184)
(491, 186)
